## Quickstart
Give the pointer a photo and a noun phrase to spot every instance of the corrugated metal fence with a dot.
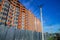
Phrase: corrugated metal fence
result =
(16, 34)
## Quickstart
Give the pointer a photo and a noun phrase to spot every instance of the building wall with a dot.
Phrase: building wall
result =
(16, 15)
(10, 9)
(15, 11)
(3, 11)
(0, 10)
(33, 23)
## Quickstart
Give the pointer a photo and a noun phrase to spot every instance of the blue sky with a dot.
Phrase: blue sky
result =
(51, 12)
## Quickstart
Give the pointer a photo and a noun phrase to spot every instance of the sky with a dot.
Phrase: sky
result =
(50, 10)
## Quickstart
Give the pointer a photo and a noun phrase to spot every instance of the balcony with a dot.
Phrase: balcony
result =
(6, 3)
(0, 20)
(11, 7)
(4, 16)
(5, 9)
(17, 9)
(3, 21)
(9, 19)
(1, 15)
(15, 20)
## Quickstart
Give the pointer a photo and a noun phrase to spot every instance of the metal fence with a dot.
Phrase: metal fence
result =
(16, 34)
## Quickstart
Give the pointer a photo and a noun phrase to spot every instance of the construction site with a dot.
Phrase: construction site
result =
(17, 22)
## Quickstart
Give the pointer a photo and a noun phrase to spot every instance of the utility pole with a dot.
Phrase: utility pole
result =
(41, 22)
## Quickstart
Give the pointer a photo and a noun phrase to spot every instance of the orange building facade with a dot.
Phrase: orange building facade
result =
(14, 14)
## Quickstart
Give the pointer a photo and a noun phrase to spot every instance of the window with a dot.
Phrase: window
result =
(0, 17)
(16, 18)
(18, 1)
(15, 2)
(11, 10)
(4, 14)
(6, 3)
(18, 4)
(3, 18)
(10, 17)
(17, 9)
(0, 13)
(15, 22)
(11, 13)
(9, 21)
(5, 9)
(17, 12)
(11, 7)
(16, 15)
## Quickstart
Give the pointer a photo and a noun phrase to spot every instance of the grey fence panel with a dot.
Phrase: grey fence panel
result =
(3, 31)
(40, 36)
(16, 34)
(22, 35)
(29, 35)
(10, 34)
(34, 35)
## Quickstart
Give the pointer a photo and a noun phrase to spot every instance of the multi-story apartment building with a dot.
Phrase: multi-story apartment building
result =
(9, 10)
(14, 14)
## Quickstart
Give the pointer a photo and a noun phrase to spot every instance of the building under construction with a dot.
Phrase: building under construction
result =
(14, 15)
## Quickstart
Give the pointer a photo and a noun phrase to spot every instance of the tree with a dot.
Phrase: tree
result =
(50, 38)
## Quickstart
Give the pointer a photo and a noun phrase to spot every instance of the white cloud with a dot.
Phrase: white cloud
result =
(52, 28)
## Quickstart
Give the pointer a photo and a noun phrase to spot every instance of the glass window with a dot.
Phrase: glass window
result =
(9, 21)
(0, 17)
(5, 9)
(4, 14)
(18, 4)
(15, 2)
(11, 13)
(17, 9)
(0, 12)
(3, 18)
(16, 18)
(11, 7)
(11, 10)
(10, 17)
(16, 15)
(16, 22)
(6, 3)
(17, 12)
